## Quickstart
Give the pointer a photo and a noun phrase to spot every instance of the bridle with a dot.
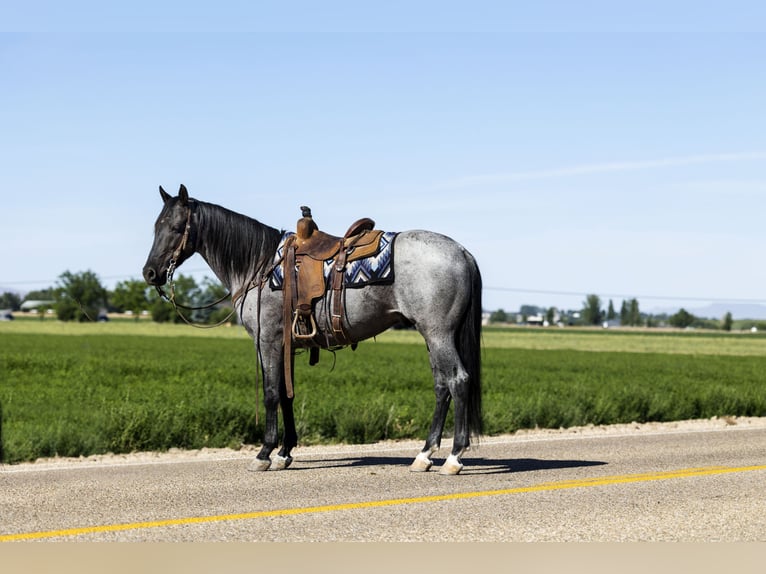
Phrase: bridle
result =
(173, 259)
(172, 264)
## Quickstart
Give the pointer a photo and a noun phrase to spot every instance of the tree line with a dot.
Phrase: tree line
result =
(82, 297)
(593, 312)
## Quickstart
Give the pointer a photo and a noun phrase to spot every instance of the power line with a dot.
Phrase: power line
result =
(524, 290)
(624, 296)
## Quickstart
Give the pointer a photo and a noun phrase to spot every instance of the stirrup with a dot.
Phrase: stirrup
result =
(298, 335)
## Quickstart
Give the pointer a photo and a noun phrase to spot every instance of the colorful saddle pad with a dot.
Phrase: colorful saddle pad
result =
(378, 268)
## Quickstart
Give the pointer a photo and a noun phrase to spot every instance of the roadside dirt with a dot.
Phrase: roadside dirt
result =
(249, 451)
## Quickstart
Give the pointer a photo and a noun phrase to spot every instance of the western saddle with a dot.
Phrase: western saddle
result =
(305, 254)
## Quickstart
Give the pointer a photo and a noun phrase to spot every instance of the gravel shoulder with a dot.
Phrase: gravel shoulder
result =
(249, 451)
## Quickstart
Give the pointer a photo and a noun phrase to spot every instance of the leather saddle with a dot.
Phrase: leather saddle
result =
(313, 247)
(305, 255)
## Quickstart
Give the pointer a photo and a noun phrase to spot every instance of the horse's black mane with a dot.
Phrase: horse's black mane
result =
(235, 245)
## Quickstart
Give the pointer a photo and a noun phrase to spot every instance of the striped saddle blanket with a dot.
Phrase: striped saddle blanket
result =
(378, 268)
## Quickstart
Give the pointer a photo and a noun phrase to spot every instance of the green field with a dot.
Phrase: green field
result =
(79, 389)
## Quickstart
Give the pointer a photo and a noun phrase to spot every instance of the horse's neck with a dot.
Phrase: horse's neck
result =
(237, 248)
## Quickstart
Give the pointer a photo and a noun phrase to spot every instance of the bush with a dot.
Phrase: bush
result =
(682, 319)
(79, 297)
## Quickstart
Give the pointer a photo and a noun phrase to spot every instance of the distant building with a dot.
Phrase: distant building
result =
(35, 304)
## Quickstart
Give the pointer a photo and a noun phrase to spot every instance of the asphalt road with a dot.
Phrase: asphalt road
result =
(695, 482)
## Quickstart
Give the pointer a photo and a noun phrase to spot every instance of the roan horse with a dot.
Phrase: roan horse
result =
(436, 289)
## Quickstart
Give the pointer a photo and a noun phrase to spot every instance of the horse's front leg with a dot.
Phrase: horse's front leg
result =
(273, 387)
(290, 437)
(271, 402)
(274, 397)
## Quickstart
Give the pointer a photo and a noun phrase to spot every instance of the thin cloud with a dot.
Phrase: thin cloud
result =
(598, 168)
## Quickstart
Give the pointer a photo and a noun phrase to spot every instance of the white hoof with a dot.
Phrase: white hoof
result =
(422, 463)
(281, 462)
(259, 465)
(451, 466)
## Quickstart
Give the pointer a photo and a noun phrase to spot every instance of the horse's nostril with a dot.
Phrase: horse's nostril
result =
(150, 274)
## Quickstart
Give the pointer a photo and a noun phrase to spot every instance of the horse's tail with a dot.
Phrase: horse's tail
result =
(469, 346)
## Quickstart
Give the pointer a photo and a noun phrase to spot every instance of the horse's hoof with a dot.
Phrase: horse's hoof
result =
(259, 465)
(422, 463)
(451, 466)
(281, 462)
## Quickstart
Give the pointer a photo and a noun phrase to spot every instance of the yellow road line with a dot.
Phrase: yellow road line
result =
(588, 482)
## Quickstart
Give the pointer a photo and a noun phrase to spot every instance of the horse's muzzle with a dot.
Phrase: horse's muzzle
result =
(152, 277)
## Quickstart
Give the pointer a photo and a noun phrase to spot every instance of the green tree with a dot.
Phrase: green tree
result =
(630, 315)
(728, 321)
(185, 291)
(550, 315)
(209, 292)
(162, 311)
(591, 312)
(499, 316)
(79, 296)
(10, 300)
(624, 313)
(610, 312)
(682, 319)
(130, 295)
(47, 294)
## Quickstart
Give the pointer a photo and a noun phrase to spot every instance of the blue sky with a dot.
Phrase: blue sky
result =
(574, 148)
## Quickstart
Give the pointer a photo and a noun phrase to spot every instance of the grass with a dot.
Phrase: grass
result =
(72, 396)
(81, 389)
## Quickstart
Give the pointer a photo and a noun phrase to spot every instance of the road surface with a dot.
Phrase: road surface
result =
(695, 481)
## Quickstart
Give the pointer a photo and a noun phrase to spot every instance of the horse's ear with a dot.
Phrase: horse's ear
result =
(183, 195)
(165, 195)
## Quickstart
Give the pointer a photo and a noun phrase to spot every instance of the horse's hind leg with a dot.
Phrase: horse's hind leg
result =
(423, 462)
(458, 387)
(450, 382)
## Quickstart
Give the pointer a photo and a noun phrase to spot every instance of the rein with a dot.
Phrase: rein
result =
(178, 306)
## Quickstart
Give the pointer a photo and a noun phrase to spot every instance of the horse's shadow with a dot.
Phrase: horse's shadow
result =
(472, 465)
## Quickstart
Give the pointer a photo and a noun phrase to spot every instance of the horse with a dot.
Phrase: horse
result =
(436, 289)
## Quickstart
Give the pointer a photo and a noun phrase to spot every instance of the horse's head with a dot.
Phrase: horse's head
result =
(174, 237)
